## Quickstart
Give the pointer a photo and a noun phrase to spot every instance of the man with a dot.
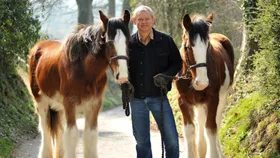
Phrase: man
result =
(152, 53)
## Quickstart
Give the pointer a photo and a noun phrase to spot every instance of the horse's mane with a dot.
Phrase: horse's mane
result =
(116, 23)
(83, 40)
(199, 26)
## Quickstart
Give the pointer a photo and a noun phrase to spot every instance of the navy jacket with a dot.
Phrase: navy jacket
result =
(160, 55)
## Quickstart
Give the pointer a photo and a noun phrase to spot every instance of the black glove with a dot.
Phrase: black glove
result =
(161, 81)
(127, 93)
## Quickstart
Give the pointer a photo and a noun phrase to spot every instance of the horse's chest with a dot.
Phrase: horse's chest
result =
(183, 85)
(193, 98)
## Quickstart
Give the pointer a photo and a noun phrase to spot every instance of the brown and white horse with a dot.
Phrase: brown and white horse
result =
(203, 85)
(72, 74)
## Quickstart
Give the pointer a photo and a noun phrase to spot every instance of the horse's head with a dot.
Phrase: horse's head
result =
(106, 43)
(196, 45)
(116, 33)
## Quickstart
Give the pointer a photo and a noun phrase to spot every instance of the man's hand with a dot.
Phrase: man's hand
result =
(161, 81)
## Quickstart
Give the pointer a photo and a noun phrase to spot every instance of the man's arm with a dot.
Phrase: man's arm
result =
(174, 59)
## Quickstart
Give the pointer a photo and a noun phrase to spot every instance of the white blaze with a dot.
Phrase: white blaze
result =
(199, 51)
(120, 46)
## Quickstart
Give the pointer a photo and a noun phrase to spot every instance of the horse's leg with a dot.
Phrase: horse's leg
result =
(222, 100)
(211, 130)
(200, 115)
(188, 128)
(91, 128)
(44, 126)
(70, 136)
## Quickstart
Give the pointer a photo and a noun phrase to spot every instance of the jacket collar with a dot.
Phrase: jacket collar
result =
(157, 36)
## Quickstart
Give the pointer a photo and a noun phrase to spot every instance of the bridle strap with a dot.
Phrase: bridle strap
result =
(188, 61)
(118, 57)
(123, 57)
(196, 66)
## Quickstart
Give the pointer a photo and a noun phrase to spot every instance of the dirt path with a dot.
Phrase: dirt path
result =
(115, 138)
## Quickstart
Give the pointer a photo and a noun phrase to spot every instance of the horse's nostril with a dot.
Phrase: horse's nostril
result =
(117, 76)
(197, 82)
(200, 83)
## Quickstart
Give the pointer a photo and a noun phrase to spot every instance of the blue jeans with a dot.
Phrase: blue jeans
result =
(140, 114)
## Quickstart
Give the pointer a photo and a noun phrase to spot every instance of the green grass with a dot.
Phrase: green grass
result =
(6, 146)
(248, 128)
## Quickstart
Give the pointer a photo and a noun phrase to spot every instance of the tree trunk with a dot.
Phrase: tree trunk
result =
(112, 8)
(249, 45)
(85, 15)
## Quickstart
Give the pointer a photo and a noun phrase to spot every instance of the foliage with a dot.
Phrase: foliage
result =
(18, 31)
(249, 9)
(237, 125)
(250, 128)
(5, 147)
(267, 59)
(16, 111)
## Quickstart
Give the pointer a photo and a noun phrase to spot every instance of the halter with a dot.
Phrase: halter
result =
(188, 75)
(116, 57)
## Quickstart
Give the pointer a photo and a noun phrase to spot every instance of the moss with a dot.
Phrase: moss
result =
(236, 127)
(16, 111)
(6, 146)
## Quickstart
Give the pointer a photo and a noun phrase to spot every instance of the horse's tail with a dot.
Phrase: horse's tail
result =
(55, 123)
(34, 56)
(56, 129)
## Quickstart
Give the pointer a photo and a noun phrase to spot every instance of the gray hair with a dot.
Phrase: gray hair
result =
(142, 8)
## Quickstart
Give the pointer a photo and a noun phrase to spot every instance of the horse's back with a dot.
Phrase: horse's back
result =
(225, 42)
(43, 67)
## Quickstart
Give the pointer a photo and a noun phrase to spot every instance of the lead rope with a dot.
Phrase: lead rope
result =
(127, 93)
(161, 122)
(163, 91)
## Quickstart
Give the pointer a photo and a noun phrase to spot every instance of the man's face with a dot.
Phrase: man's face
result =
(144, 21)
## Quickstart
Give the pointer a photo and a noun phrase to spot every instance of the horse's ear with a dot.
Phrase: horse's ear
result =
(126, 17)
(187, 22)
(104, 20)
(209, 19)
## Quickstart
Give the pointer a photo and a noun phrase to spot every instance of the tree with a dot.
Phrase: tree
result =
(85, 15)
(249, 45)
(111, 8)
